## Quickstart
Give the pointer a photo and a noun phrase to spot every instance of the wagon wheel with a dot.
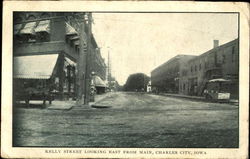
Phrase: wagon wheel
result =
(44, 101)
(27, 102)
(208, 97)
(50, 99)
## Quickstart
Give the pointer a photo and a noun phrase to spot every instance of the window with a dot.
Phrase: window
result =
(18, 19)
(191, 68)
(200, 66)
(31, 17)
(195, 68)
(42, 37)
(44, 15)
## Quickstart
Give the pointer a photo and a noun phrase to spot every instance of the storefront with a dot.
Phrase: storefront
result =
(99, 85)
(53, 73)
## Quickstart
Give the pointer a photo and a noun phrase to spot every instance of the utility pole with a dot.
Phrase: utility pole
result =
(109, 69)
(81, 60)
(88, 23)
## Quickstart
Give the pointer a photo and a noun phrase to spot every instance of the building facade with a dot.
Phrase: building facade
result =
(37, 35)
(165, 78)
(219, 62)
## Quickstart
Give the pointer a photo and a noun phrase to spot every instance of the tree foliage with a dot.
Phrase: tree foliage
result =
(136, 82)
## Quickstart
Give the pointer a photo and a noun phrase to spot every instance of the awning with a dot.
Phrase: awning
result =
(43, 26)
(17, 27)
(99, 82)
(77, 42)
(76, 37)
(70, 62)
(70, 30)
(35, 66)
(28, 28)
(219, 80)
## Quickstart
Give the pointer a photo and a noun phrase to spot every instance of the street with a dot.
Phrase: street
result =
(133, 120)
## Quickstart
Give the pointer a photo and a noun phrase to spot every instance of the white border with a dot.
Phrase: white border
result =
(6, 123)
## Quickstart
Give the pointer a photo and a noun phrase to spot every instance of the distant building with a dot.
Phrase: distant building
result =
(165, 78)
(149, 88)
(219, 62)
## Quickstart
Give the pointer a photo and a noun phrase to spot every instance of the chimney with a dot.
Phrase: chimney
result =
(216, 43)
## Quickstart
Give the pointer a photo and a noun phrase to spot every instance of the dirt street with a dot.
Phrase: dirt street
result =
(133, 120)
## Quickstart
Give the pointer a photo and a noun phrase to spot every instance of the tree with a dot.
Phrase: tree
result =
(136, 82)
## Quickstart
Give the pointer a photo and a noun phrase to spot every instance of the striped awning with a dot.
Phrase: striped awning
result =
(43, 26)
(70, 62)
(35, 66)
(70, 30)
(28, 28)
(76, 37)
(98, 82)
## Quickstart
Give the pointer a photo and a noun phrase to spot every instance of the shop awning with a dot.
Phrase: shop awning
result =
(35, 66)
(70, 62)
(43, 26)
(70, 30)
(77, 42)
(99, 82)
(76, 37)
(219, 80)
(28, 28)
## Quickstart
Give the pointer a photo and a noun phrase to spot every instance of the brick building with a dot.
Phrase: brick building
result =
(42, 39)
(165, 78)
(219, 62)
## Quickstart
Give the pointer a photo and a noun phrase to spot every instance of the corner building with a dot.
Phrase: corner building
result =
(46, 45)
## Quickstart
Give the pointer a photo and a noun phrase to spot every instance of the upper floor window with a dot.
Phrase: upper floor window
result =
(42, 37)
(31, 17)
(18, 19)
(44, 15)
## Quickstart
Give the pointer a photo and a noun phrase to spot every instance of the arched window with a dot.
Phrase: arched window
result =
(44, 15)
(18, 19)
(31, 17)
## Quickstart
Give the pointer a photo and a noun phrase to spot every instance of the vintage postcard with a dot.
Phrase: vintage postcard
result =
(92, 79)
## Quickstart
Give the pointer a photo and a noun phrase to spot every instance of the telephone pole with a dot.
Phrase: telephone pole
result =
(109, 69)
(81, 60)
(88, 23)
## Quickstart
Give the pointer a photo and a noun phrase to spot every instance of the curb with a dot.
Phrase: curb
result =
(186, 97)
(93, 103)
(196, 98)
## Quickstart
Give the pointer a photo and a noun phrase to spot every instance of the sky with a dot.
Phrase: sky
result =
(139, 42)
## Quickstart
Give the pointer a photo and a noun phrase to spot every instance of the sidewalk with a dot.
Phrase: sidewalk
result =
(61, 105)
(183, 96)
(193, 97)
(99, 98)
(68, 104)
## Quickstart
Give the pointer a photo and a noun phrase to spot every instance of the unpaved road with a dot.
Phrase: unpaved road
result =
(134, 120)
